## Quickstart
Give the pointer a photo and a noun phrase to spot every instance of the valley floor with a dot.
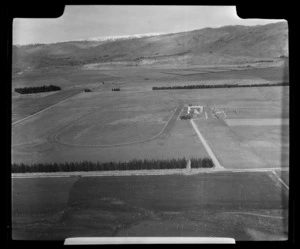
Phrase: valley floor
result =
(138, 123)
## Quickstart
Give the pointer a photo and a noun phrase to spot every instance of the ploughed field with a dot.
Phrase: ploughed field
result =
(243, 206)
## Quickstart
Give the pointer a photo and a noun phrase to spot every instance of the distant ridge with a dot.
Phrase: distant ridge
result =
(223, 45)
(100, 38)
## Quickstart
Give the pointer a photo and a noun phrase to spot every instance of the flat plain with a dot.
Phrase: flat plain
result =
(138, 123)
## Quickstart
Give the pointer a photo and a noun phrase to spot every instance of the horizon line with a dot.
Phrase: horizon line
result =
(136, 36)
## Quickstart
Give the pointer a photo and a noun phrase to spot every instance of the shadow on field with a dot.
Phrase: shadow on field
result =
(242, 206)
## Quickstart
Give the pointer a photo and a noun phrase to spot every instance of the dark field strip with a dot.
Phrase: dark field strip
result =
(218, 86)
(168, 205)
(97, 166)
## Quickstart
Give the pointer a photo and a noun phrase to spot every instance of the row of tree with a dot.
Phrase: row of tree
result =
(187, 116)
(201, 163)
(218, 86)
(98, 166)
(37, 89)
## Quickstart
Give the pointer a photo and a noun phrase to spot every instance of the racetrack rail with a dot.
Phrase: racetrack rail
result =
(166, 129)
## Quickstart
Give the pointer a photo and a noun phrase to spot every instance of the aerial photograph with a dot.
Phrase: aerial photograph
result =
(150, 122)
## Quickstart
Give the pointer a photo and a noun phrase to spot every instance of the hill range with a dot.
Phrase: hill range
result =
(208, 46)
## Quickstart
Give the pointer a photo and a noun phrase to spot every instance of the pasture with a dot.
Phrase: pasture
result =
(137, 123)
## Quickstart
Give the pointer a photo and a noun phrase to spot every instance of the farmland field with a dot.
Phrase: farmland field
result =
(133, 123)
(245, 128)
(243, 206)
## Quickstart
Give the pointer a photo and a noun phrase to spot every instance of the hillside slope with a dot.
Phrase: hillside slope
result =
(228, 44)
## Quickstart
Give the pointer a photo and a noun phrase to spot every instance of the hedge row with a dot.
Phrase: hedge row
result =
(97, 166)
(37, 89)
(218, 86)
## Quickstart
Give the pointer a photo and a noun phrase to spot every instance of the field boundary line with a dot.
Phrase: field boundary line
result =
(256, 169)
(208, 149)
(255, 214)
(46, 109)
(148, 172)
(280, 180)
(138, 172)
(102, 173)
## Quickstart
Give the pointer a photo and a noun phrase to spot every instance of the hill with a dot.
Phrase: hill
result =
(224, 45)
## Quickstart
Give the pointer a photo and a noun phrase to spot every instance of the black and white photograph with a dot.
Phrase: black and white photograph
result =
(134, 124)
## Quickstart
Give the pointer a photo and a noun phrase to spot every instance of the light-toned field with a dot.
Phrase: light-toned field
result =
(97, 127)
(138, 123)
(257, 122)
(247, 146)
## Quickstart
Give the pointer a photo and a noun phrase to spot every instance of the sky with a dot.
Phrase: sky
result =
(83, 22)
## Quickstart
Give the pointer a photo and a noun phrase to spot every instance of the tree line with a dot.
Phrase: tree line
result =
(37, 89)
(186, 116)
(218, 86)
(201, 163)
(108, 166)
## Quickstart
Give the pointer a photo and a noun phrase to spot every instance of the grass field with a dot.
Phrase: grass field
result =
(138, 123)
(23, 106)
(253, 146)
(244, 206)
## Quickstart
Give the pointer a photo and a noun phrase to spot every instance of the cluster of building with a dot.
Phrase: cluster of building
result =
(193, 111)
